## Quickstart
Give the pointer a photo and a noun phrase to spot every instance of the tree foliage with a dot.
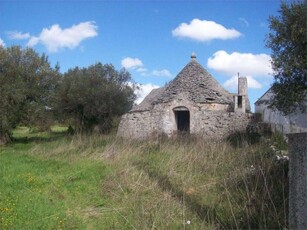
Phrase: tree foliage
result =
(27, 84)
(288, 41)
(94, 96)
(32, 91)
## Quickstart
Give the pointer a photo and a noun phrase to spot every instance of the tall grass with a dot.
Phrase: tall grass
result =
(56, 181)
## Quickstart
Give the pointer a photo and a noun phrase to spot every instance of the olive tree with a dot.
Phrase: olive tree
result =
(288, 41)
(94, 96)
(27, 84)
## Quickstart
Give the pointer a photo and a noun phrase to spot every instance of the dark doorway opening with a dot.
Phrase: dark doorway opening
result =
(240, 102)
(183, 120)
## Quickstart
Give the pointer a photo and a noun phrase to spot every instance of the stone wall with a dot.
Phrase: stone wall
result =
(207, 120)
(139, 125)
(295, 122)
(217, 124)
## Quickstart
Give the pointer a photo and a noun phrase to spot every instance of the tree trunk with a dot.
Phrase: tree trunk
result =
(4, 138)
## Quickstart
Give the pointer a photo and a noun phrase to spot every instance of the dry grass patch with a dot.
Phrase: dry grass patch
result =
(102, 181)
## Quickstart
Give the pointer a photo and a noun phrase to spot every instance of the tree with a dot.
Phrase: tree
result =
(94, 96)
(288, 41)
(27, 83)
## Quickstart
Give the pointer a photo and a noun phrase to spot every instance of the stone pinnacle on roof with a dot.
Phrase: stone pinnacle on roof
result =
(193, 56)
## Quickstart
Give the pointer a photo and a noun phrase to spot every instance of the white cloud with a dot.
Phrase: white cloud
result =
(56, 38)
(137, 64)
(143, 90)
(33, 41)
(245, 63)
(244, 22)
(204, 31)
(232, 83)
(2, 42)
(161, 73)
(130, 62)
(17, 35)
(141, 70)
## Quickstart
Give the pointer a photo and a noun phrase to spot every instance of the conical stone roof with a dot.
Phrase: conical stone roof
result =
(196, 82)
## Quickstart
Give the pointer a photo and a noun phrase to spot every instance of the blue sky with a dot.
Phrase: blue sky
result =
(152, 39)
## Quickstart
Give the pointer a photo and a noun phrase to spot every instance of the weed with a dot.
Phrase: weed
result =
(50, 180)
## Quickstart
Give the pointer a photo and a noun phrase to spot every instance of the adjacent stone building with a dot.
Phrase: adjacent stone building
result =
(295, 122)
(194, 102)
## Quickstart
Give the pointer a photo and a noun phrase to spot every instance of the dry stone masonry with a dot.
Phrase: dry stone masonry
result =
(193, 102)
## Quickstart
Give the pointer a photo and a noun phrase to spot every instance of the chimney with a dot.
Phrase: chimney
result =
(241, 99)
(242, 86)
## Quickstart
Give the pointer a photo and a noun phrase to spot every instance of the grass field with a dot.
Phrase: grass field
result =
(54, 181)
